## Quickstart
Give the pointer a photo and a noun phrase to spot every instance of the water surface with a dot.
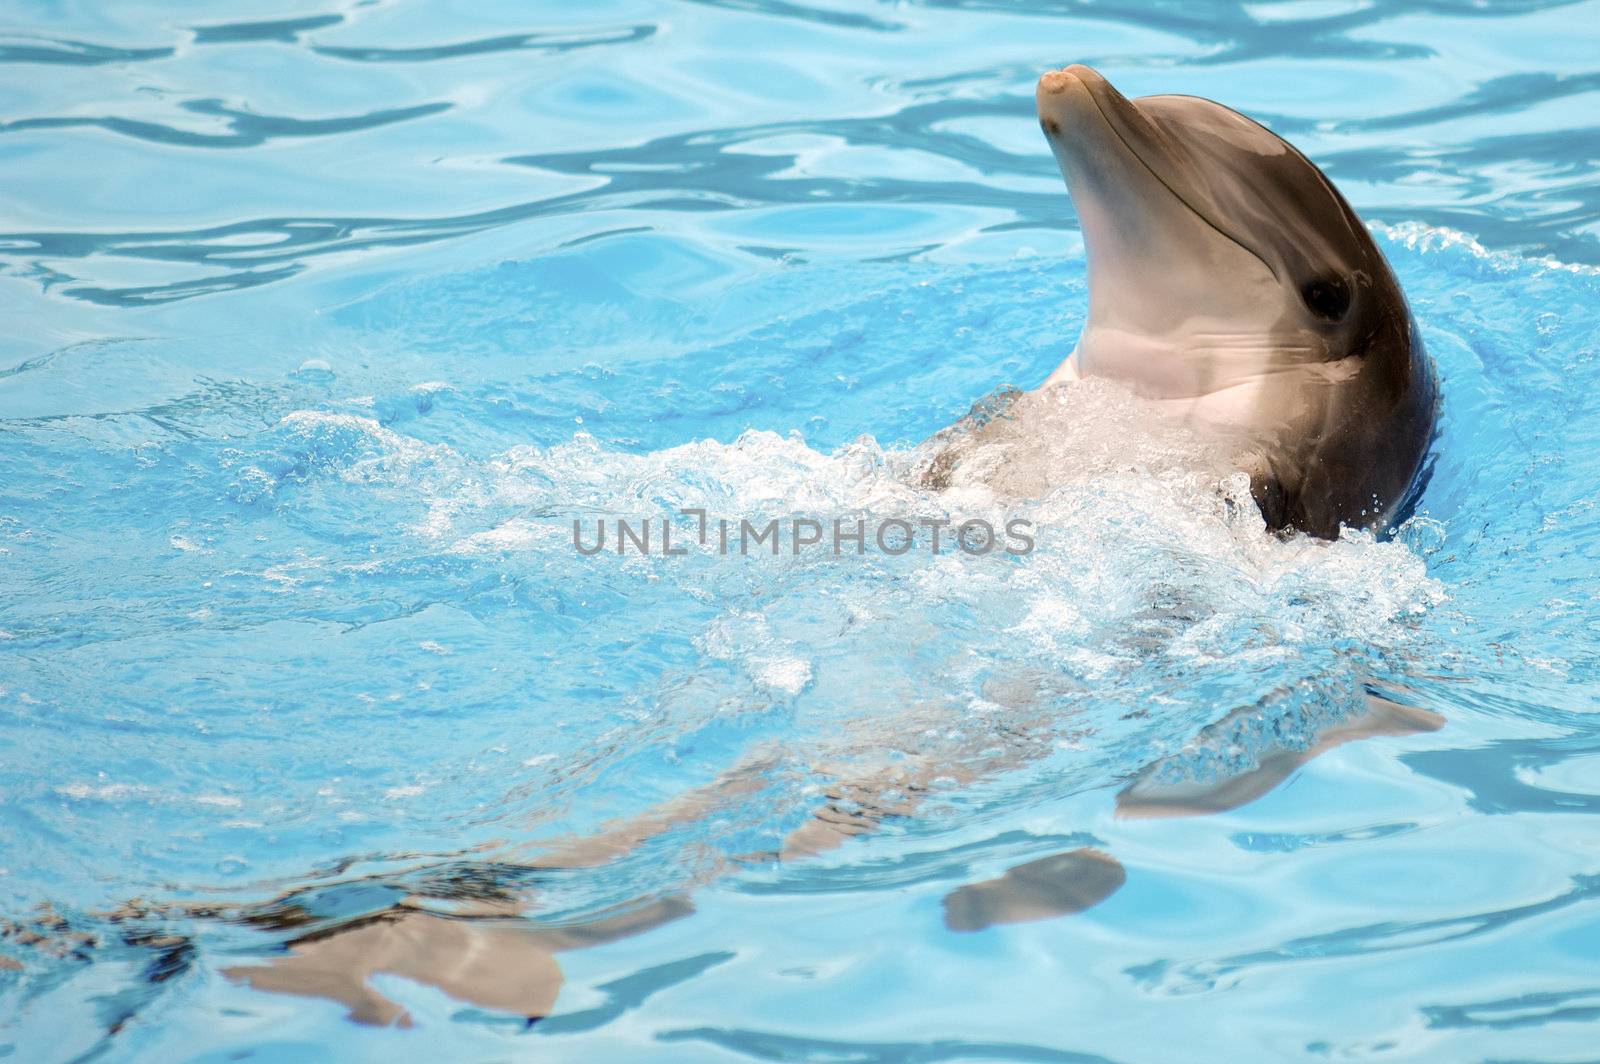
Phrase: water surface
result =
(324, 323)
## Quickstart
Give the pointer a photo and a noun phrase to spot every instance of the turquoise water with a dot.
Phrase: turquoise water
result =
(324, 323)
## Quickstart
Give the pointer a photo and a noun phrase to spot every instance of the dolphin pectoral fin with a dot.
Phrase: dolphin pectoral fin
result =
(1058, 885)
(624, 924)
(1148, 796)
(498, 966)
(1384, 717)
(1145, 798)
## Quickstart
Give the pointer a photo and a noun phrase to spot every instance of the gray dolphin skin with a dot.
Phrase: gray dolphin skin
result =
(1231, 283)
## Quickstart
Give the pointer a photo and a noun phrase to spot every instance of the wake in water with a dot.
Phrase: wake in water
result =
(489, 744)
(828, 694)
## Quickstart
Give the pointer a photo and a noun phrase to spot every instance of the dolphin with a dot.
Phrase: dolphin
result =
(1232, 285)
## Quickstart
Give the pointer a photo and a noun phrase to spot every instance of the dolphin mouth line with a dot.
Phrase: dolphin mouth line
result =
(1174, 193)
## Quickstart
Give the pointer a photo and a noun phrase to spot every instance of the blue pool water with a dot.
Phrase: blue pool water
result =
(323, 323)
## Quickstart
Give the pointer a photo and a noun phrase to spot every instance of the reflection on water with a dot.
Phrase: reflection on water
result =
(908, 116)
(324, 324)
(1038, 890)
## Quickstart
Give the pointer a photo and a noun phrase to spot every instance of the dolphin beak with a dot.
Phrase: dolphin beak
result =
(1120, 202)
(1131, 182)
(1065, 100)
(1088, 124)
(1136, 199)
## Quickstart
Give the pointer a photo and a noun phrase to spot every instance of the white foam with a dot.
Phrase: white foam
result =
(1126, 503)
(1418, 236)
(1152, 568)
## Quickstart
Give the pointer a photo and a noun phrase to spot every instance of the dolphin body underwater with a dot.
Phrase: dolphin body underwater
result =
(1231, 285)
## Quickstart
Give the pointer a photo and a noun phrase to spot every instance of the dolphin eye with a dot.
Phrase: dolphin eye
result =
(1327, 297)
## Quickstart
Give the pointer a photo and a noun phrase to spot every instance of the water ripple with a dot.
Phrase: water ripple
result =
(72, 53)
(1509, 93)
(282, 31)
(1234, 32)
(767, 1045)
(1496, 775)
(631, 991)
(512, 42)
(805, 13)
(690, 172)
(1231, 32)
(1189, 977)
(249, 129)
(1526, 1010)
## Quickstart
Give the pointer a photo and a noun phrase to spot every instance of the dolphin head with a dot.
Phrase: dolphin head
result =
(1216, 251)
(1231, 282)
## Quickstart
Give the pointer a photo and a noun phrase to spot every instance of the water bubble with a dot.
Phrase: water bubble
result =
(314, 371)
(232, 866)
